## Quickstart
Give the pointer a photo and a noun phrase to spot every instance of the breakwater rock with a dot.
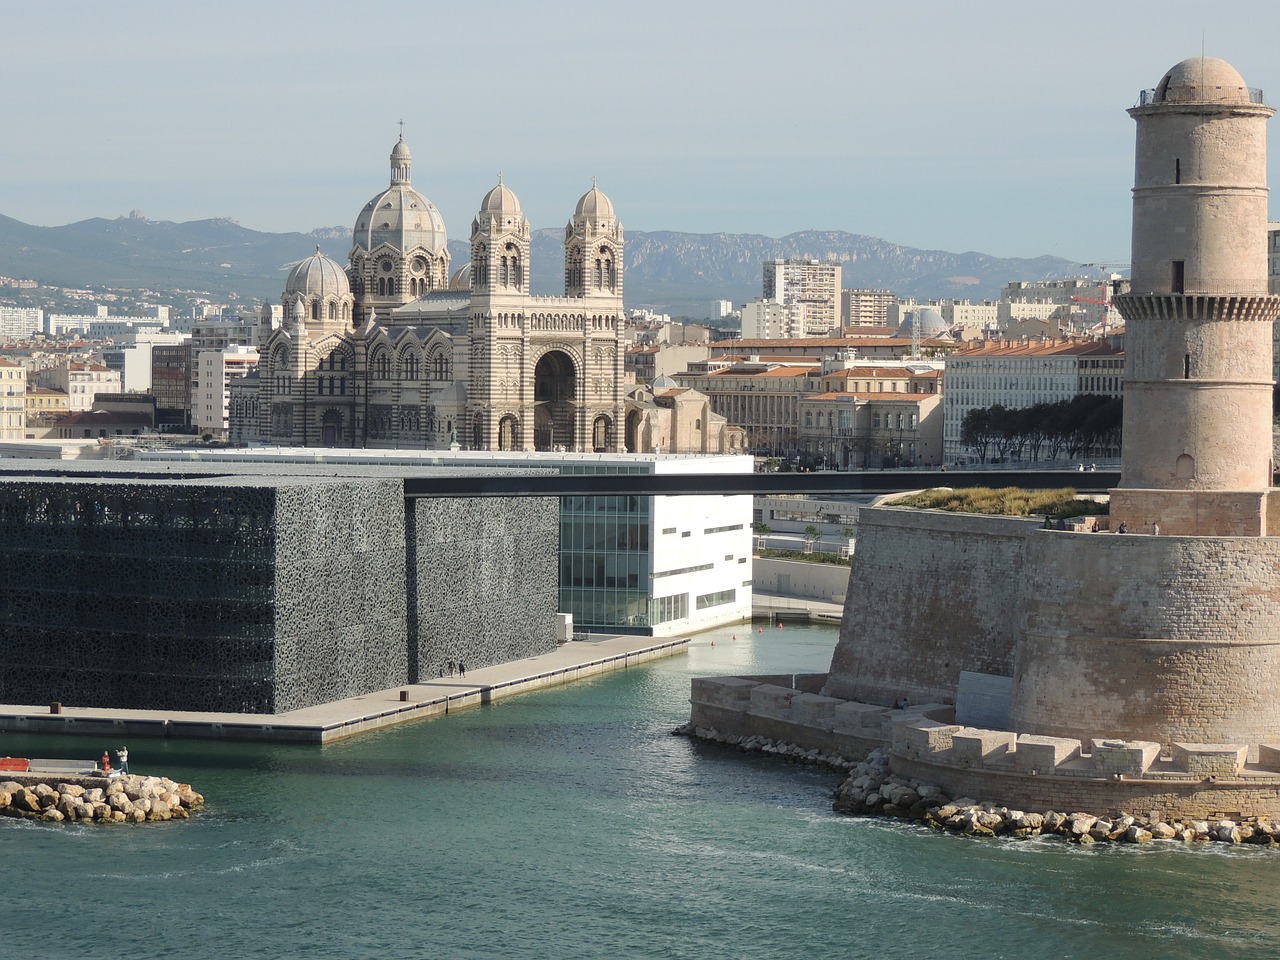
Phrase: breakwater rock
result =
(125, 799)
(872, 789)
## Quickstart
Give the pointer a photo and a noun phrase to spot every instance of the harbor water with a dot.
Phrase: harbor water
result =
(569, 823)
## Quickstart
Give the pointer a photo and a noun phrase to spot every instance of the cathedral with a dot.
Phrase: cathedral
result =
(397, 351)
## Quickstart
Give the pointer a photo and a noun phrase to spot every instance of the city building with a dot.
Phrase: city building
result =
(45, 404)
(868, 416)
(20, 322)
(809, 291)
(171, 384)
(865, 308)
(80, 380)
(210, 399)
(765, 320)
(13, 400)
(1021, 373)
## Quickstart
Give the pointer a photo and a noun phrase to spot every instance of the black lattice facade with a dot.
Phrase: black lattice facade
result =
(260, 595)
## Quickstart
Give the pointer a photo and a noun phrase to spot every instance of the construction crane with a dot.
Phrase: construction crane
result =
(1106, 309)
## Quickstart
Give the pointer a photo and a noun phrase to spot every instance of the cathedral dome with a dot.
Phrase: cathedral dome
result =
(317, 276)
(461, 279)
(400, 216)
(500, 203)
(594, 206)
(1202, 80)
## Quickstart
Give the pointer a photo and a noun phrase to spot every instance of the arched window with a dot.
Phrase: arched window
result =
(439, 366)
(408, 366)
(333, 310)
(315, 310)
(382, 366)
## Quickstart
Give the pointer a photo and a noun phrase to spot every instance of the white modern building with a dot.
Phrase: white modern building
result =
(651, 565)
(214, 371)
(20, 322)
(809, 291)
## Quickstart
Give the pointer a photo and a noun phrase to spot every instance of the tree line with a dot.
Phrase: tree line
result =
(1088, 424)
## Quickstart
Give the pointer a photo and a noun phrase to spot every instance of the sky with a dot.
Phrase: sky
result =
(998, 127)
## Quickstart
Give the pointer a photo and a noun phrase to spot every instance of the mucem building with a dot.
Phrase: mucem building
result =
(258, 589)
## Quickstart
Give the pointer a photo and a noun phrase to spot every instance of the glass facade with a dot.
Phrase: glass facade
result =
(605, 561)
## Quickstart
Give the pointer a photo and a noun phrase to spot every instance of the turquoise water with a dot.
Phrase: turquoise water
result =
(569, 823)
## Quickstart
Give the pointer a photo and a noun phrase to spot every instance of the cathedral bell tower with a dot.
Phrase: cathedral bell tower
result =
(1196, 455)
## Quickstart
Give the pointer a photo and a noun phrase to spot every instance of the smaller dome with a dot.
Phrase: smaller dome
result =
(461, 279)
(1202, 80)
(317, 276)
(930, 323)
(594, 205)
(663, 383)
(500, 203)
(401, 151)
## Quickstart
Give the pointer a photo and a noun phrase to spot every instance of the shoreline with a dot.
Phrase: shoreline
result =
(329, 722)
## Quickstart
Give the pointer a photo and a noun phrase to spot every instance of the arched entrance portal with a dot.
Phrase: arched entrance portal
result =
(555, 392)
(508, 433)
(602, 434)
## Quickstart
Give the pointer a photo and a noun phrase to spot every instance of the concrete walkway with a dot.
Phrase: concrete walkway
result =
(777, 607)
(344, 718)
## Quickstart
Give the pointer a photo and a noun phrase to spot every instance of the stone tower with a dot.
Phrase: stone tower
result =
(1197, 396)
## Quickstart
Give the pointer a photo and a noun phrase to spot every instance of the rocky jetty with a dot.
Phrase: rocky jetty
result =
(125, 799)
(872, 789)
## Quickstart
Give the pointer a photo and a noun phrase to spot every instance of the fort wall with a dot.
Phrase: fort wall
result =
(905, 633)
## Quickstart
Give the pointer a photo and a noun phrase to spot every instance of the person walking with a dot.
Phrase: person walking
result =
(1155, 529)
(462, 668)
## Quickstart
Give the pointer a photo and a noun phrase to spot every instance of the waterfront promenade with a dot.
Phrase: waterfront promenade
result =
(344, 718)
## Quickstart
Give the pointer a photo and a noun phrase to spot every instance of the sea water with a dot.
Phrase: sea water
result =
(569, 823)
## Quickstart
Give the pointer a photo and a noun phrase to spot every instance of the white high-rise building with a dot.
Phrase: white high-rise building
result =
(809, 291)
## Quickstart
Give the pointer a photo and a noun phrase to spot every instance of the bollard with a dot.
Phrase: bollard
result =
(55, 707)
(404, 696)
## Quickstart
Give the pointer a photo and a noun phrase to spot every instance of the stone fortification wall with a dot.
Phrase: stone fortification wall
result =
(1099, 776)
(486, 584)
(930, 594)
(1152, 638)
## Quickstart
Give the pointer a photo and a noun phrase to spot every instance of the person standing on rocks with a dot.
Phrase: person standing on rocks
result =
(122, 755)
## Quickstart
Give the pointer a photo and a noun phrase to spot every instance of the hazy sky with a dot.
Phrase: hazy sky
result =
(990, 126)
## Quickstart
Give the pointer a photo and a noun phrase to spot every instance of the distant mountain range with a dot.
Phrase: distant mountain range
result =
(669, 272)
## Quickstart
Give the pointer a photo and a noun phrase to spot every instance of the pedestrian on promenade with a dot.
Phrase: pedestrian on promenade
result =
(1124, 527)
(1155, 529)
(462, 668)
(123, 756)
(451, 668)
